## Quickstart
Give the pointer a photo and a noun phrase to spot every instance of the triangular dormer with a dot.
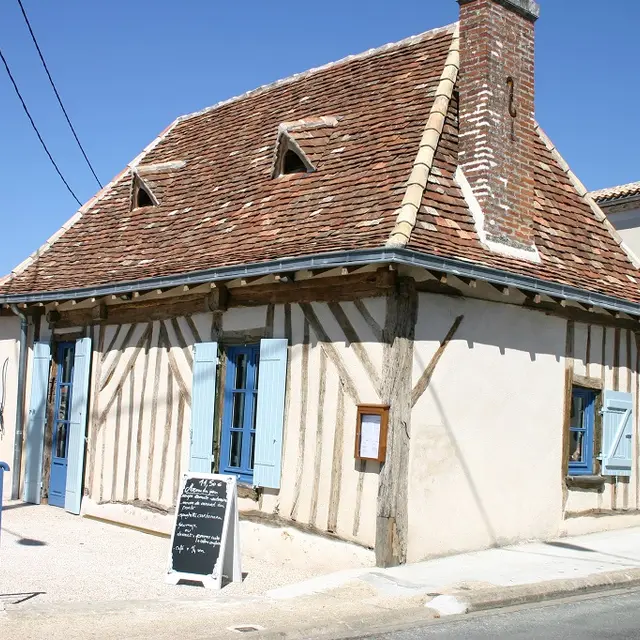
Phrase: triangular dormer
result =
(290, 158)
(301, 145)
(141, 194)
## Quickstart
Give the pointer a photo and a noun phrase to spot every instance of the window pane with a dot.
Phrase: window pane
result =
(237, 419)
(577, 412)
(63, 407)
(66, 364)
(575, 446)
(235, 453)
(241, 372)
(254, 411)
(253, 448)
(61, 441)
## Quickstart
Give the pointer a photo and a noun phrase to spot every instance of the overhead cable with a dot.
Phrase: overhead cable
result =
(33, 124)
(55, 90)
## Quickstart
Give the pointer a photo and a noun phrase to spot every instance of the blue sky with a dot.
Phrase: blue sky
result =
(127, 68)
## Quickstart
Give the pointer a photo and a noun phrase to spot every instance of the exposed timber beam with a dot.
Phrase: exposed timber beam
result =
(502, 289)
(244, 282)
(285, 277)
(561, 301)
(440, 276)
(470, 282)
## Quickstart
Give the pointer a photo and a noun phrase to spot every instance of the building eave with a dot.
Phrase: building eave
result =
(356, 258)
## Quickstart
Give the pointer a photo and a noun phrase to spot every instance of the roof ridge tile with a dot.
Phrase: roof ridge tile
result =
(417, 183)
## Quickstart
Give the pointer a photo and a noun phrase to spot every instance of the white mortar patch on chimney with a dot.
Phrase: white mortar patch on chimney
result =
(478, 218)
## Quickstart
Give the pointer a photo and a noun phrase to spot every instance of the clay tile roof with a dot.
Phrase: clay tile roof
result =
(616, 193)
(381, 131)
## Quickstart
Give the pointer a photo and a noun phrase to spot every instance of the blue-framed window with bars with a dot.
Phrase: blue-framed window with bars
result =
(239, 412)
(581, 431)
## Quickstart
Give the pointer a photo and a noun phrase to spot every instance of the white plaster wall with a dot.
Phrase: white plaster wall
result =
(9, 353)
(627, 224)
(486, 436)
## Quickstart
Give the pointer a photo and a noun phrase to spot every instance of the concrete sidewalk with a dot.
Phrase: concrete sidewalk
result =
(278, 601)
(580, 559)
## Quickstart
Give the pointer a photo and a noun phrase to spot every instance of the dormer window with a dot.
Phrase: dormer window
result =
(143, 199)
(141, 195)
(293, 163)
(290, 158)
(301, 145)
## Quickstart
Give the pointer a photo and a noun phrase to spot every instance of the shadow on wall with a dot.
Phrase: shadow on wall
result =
(492, 324)
(524, 337)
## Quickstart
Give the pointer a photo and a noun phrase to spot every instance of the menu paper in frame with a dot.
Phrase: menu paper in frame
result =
(371, 432)
(370, 436)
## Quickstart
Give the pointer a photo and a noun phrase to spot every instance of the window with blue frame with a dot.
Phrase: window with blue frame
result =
(582, 431)
(239, 412)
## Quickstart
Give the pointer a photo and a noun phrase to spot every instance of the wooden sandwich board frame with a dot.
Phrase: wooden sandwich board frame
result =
(229, 561)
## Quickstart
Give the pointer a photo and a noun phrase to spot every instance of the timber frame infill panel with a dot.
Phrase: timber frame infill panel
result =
(141, 392)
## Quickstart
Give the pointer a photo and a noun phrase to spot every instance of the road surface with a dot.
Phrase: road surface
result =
(609, 616)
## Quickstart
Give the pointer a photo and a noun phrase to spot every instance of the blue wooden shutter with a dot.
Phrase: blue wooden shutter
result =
(78, 424)
(203, 398)
(270, 413)
(617, 431)
(34, 441)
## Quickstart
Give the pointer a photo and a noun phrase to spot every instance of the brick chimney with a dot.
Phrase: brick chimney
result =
(496, 85)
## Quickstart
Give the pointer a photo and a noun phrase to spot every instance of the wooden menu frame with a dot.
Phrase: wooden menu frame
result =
(381, 410)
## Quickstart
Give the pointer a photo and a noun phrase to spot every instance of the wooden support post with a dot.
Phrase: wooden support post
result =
(386, 277)
(99, 312)
(392, 514)
(218, 299)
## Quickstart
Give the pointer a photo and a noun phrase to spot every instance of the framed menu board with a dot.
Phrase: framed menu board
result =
(371, 432)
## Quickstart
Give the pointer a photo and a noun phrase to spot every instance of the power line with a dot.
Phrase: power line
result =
(33, 124)
(55, 90)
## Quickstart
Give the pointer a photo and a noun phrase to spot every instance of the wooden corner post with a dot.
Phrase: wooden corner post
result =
(392, 514)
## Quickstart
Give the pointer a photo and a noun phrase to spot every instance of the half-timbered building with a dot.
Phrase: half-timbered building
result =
(374, 291)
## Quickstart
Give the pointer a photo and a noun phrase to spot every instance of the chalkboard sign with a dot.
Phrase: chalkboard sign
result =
(205, 541)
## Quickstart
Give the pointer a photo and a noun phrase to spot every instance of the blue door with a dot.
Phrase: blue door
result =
(61, 423)
(239, 413)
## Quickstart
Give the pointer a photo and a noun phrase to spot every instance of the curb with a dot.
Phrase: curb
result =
(482, 600)
(550, 590)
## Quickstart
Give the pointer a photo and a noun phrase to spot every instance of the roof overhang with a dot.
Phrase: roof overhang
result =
(355, 258)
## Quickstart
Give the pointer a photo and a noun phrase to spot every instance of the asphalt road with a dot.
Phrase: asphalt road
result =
(610, 616)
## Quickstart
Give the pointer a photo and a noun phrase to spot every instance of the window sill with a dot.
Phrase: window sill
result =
(585, 482)
(247, 491)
